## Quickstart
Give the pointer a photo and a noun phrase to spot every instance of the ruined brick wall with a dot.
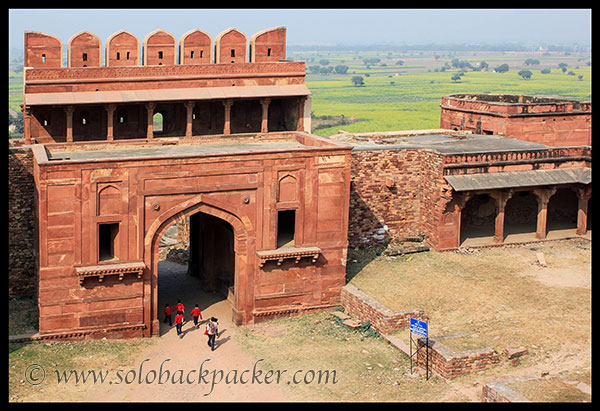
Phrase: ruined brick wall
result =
(359, 305)
(394, 195)
(21, 222)
(553, 122)
(450, 364)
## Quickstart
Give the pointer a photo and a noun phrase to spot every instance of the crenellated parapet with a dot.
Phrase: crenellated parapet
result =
(159, 47)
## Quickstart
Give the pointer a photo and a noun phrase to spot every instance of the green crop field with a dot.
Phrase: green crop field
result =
(403, 90)
(408, 96)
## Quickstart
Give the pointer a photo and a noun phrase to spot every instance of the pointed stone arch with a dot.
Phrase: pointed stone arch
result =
(122, 49)
(42, 50)
(231, 46)
(244, 248)
(159, 48)
(84, 49)
(268, 45)
(195, 47)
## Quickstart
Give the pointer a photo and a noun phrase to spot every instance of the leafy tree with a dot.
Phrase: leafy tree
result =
(532, 62)
(526, 74)
(563, 66)
(324, 62)
(357, 81)
(546, 71)
(341, 69)
(315, 69)
(503, 68)
(456, 77)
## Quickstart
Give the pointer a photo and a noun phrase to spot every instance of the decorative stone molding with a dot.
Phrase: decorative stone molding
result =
(288, 254)
(103, 270)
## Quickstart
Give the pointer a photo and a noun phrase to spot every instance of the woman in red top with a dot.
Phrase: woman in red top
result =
(179, 307)
(195, 314)
(179, 323)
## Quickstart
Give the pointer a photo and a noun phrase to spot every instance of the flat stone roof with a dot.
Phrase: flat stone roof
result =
(455, 143)
(182, 147)
(526, 178)
(175, 150)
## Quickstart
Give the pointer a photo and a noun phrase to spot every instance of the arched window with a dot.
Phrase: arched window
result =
(158, 123)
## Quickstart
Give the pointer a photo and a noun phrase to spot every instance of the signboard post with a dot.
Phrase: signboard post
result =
(419, 328)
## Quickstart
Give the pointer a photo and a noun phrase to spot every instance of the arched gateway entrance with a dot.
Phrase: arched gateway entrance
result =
(200, 206)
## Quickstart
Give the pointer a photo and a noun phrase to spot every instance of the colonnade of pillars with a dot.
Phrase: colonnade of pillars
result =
(150, 107)
(543, 196)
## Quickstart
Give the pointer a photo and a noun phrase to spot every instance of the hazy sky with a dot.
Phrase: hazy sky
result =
(320, 26)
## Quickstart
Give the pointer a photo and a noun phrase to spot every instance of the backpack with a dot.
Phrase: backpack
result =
(212, 327)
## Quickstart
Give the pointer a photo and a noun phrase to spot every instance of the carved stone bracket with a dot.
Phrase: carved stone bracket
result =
(103, 270)
(294, 253)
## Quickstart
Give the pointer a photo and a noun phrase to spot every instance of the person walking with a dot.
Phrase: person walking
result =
(212, 330)
(196, 313)
(179, 323)
(179, 307)
(168, 315)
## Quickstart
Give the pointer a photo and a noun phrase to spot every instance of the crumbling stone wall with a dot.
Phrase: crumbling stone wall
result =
(394, 195)
(21, 222)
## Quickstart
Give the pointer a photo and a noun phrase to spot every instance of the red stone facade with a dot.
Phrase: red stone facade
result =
(551, 121)
(268, 201)
(79, 290)
(115, 153)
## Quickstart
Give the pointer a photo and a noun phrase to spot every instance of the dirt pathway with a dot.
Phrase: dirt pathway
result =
(190, 371)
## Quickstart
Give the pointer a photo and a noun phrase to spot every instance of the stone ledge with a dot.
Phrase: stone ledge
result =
(281, 254)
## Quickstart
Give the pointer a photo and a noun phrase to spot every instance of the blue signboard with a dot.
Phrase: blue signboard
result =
(418, 327)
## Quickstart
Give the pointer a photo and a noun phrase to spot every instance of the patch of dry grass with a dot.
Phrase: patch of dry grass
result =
(559, 388)
(497, 295)
(366, 368)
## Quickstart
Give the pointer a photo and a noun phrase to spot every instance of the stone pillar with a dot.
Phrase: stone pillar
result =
(583, 195)
(543, 196)
(301, 102)
(189, 107)
(264, 127)
(461, 202)
(150, 127)
(502, 198)
(110, 111)
(26, 110)
(227, 126)
(69, 111)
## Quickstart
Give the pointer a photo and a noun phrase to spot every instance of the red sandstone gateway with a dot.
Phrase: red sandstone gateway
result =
(266, 201)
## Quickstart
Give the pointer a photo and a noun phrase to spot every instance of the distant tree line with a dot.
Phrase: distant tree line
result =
(440, 47)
